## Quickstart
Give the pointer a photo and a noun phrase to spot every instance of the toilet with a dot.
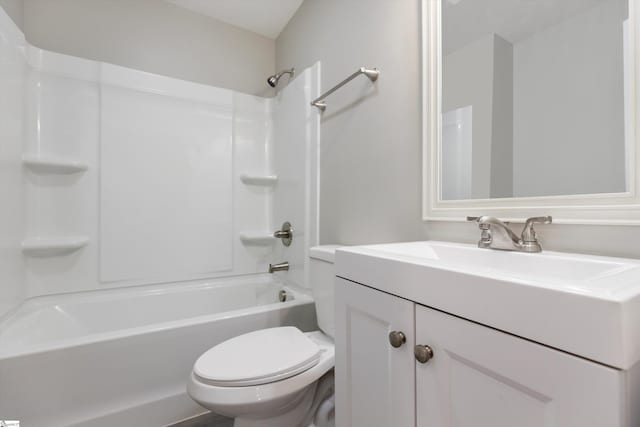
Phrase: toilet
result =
(277, 377)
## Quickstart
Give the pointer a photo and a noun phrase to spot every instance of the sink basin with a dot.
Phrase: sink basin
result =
(581, 304)
(576, 273)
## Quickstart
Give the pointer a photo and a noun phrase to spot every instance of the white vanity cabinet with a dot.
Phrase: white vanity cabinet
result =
(481, 377)
(375, 382)
(477, 377)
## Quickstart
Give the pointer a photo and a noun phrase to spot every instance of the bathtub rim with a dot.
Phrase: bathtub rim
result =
(300, 297)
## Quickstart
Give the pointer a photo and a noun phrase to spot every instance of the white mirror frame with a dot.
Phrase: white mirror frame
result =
(606, 209)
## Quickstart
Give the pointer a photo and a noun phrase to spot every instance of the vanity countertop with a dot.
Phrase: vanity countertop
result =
(582, 304)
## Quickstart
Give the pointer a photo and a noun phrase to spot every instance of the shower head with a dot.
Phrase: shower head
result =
(273, 80)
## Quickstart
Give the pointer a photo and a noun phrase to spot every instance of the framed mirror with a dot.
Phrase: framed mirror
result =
(530, 108)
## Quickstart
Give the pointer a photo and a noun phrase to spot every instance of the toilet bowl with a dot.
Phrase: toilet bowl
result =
(275, 377)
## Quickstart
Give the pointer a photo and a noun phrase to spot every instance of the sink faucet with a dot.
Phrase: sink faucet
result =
(497, 234)
(283, 266)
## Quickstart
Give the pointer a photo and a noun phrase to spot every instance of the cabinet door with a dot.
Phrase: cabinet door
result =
(375, 382)
(480, 377)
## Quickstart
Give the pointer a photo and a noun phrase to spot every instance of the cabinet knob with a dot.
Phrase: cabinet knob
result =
(396, 339)
(423, 353)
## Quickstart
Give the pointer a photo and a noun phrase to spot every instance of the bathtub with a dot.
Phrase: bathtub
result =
(121, 357)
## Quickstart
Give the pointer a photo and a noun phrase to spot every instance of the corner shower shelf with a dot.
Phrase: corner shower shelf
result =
(257, 238)
(266, 180)
(52, 165)
(52, 246)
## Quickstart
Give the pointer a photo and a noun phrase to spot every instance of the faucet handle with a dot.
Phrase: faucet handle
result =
(529, 233)
(481, 225)
(286, 234)
(485, 237)
(540, 220)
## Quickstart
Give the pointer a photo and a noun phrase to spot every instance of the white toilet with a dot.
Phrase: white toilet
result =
(278, 377)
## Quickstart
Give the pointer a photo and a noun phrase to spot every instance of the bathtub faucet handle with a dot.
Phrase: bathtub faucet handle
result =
(286, 234)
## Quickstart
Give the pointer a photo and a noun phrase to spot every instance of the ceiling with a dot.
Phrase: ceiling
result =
(265, 17)
(465, 21)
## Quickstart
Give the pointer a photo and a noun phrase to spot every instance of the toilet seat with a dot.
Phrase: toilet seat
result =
(258, 357)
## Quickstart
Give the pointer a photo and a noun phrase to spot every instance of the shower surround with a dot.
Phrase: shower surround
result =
(121, 181)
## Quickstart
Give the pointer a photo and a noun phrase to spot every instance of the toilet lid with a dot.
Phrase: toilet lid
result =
(259, 357)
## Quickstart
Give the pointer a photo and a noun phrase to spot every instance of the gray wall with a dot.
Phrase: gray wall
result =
(568, 106)
(502, 119)
(370, 150)
(480, 74)
(14, 9)
(154, 36)
(468, 77)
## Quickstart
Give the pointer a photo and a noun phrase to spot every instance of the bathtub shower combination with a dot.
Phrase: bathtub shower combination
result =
(146, 208)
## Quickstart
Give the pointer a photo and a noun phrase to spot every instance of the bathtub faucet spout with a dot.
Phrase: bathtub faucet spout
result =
(283, 266)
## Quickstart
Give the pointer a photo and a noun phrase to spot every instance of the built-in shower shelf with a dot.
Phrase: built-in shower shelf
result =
(52, 165)
(52, 246)
(265, 180)
(257, 238)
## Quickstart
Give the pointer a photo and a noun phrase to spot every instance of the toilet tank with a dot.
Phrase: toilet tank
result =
(322, 278)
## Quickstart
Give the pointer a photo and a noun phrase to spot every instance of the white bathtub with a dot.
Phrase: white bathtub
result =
(121, 357)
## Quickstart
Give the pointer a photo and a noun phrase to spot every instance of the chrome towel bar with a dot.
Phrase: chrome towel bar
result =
(371, 73)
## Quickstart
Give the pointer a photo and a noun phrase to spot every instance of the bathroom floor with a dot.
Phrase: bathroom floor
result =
(206, 420)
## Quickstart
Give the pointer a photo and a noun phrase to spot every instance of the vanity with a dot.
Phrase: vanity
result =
(443, 334)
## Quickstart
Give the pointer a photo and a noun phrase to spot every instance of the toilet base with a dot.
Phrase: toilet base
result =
(305, 411)
(291, 416)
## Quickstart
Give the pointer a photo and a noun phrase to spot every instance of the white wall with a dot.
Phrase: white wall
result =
(370, 135)
(15, 10)
(12, 207)
(568, 106)
(153, 36)
(371, 170)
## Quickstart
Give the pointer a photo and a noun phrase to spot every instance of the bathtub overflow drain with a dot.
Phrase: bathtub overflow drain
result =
(282, 295)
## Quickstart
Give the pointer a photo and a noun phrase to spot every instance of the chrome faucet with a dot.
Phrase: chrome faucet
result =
(497, 234)
(283, 266)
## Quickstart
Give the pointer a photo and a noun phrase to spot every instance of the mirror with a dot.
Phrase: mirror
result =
(535, 99)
